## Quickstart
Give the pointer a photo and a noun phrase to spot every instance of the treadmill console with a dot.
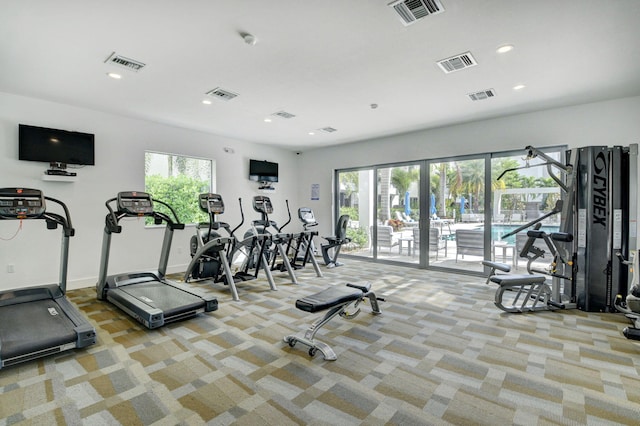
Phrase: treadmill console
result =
(211, 203)
(21, 203)
(135, 203)
(262, 204)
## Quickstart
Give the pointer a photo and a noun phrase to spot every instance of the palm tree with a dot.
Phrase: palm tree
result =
(403, 177)
(473, 180)
(441, 179)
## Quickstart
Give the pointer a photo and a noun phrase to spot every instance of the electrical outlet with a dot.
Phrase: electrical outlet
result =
(11, 268)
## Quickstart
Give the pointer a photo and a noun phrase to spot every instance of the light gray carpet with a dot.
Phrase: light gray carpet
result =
(440, 353)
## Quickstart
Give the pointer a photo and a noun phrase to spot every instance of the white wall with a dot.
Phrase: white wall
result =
(120, 145)
(609, 123)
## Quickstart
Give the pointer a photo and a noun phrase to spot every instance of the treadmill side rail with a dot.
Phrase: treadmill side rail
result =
(146, 315)
(86, 334)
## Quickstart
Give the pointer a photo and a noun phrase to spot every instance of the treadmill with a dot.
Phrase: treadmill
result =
(147, 296)
(39, 321)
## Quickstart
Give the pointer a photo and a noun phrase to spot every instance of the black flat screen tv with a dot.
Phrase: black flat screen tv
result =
(55, 146)
(263, 171)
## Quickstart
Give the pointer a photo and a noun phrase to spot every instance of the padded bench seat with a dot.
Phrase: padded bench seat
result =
(517, 279)
(333, 296)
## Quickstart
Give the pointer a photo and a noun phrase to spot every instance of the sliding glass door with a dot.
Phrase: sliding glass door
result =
(448, 213)
(396, 229)
(521, 193)
(383, 207)
(356, 199)
(457, 214)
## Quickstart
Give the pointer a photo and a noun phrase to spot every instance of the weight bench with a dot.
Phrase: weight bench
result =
(530, 290)
(336, 300)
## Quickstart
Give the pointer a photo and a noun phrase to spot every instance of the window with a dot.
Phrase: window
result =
(178, 180)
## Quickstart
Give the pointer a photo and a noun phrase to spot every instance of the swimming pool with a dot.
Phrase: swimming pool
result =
(498, 230)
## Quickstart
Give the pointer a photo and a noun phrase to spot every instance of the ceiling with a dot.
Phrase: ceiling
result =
(326, 62)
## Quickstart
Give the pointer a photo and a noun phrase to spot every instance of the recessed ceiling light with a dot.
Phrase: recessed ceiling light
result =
(267, 120)
(504, 49)
(114, 75)
(206, 102)
(519, 87)
(250, 39)
(311, 133)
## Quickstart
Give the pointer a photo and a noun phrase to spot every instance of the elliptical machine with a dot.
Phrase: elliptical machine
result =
(271, 244)
(298, 247)
(631, 305)
(209, 250)
(335, 242)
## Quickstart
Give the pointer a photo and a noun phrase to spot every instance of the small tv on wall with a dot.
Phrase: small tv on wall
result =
(263, 171)
(55, 146)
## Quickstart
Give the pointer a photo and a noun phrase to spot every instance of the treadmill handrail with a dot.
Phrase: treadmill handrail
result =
(175, 224)
(112, 219)
(55, 219)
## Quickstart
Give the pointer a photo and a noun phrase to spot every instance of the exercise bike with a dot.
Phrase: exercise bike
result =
(630, 306)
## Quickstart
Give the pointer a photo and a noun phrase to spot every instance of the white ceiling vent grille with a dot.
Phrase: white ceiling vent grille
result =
(457, 63)
(283, 114)
(121, 61)
(329, 129)
(412, 10)
(482, 95)
(223, 94)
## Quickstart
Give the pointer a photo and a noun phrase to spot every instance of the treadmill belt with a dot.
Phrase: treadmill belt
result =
(171, 300)
(33, 326)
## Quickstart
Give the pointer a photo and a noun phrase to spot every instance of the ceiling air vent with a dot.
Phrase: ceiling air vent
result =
(457, 63)
(412, 10)
(482, 95)
(219, 93)
(121, 61)
(329, 129)
(284, 114)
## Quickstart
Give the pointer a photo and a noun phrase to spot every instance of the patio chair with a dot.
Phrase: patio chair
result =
(406, 220)
(386, 237)
(436, 242)
(469, 241)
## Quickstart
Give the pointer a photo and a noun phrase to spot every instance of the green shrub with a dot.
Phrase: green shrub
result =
(351, 211)
(181, 193)
(359, 237)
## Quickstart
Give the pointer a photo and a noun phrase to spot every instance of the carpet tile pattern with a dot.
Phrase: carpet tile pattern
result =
(440, 353)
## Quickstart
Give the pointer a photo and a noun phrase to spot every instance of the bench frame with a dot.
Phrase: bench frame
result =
(308, 338)
(532, 291)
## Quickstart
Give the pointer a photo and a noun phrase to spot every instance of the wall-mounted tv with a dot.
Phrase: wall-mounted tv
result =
(263, 171)
(55, 146)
